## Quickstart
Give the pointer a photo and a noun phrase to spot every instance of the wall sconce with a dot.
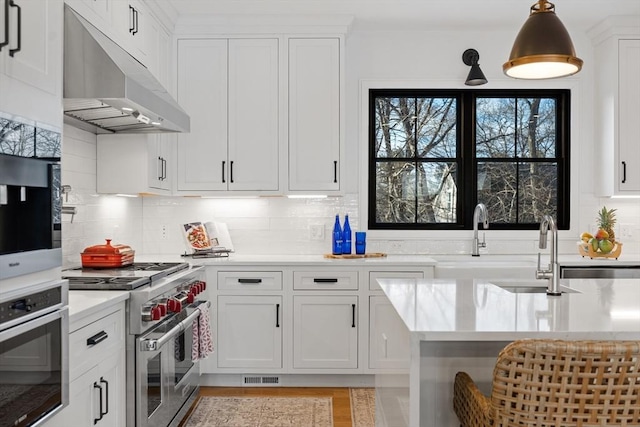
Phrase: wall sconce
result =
(476, 76)
(543, 48)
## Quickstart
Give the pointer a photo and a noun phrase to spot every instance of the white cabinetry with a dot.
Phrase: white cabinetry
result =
(131, 26)
(97, 373)
(229, 87)
(617, 55)
(133, 164)
(249, 331)
(315, 114)
(388, 335)
(325, 331)
(31, 60)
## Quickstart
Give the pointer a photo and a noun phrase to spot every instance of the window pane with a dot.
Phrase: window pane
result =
(437, 192)
(395, 127)
(497, 190)
(495, 127)
(538, 189)
(436, 127)
(536, 128)
(395, 192)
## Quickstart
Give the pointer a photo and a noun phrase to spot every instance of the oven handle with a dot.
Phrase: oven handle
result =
(153, 344)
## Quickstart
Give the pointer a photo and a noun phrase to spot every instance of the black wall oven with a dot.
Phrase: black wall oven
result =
(34, 360)
(30, 198)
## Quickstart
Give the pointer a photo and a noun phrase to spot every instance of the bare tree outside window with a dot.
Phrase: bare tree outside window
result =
(508, 150)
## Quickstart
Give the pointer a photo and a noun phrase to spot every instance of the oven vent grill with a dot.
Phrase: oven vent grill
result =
(266, 381)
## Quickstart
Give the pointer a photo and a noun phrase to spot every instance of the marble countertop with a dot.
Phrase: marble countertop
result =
(467, 309)
(487, 260)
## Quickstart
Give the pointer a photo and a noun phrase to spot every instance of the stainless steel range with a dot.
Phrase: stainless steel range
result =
(162, 375)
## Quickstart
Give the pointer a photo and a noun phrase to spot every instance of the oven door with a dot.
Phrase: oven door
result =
(167, 377)
(34, 370)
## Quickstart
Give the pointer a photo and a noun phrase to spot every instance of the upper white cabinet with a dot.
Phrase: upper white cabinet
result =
(617, 55)
(314, 114)
(132, 27)
(31, 59)
(134, 164)
(229, 87)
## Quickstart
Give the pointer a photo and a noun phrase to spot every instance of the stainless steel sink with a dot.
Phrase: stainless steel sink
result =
(528, 287)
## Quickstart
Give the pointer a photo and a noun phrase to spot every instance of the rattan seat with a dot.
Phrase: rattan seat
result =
(556, 383)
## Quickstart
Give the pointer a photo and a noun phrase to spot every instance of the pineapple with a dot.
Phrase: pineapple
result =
(606, 221)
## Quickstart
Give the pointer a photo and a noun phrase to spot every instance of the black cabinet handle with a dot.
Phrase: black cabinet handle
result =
(353, 315)
(231, 171)
(321, 280)
(224, 163)
(106, 391)
(95, 420)
(131, 19)
(164, 168)
(17, 49)
(249, 280)
(624, 172)
(277, 315)
(335, 171)
(161, 167)
(97, 338)
(6, 25)
(135, 17)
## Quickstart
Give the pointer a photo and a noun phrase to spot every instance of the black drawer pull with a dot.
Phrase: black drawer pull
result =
(335, 171)
(353, 315)
(95, 420)
(12, 52)
(97, 338)
(249, 280)
(624, 172)
(277, 315)
(315, 280)
(106, 391)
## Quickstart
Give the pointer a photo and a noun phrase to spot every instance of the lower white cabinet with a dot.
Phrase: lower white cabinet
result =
(249, 331)
(325, 331)
(388, 336)
(97, 374)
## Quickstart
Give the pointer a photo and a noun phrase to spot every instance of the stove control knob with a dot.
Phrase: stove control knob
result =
(191, 297)
(174, 305)
(195, 289)
(156, 313)
(147, 315)
(162, 306)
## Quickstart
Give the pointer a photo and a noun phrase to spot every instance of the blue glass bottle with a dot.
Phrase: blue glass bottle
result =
(336, 239)
(346, 236)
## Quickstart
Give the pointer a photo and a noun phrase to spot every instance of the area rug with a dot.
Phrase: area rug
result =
(363, 407)
(213, 411)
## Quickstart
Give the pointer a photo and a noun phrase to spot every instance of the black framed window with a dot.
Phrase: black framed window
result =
(435, 154)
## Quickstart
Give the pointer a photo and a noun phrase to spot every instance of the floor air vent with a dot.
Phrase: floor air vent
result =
(260, 381)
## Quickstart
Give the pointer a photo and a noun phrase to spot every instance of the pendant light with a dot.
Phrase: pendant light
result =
(543, 48)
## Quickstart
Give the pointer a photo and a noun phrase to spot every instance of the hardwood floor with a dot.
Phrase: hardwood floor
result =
(341, 400)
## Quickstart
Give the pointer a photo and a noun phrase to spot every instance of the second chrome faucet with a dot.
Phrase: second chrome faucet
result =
(479, 214)
(552, 274)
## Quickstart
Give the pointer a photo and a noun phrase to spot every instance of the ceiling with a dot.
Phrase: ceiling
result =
(576, 14)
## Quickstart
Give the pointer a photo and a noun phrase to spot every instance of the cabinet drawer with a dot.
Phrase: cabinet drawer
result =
(92, 343)
(375, 275)
(250, 280)
(316, 280)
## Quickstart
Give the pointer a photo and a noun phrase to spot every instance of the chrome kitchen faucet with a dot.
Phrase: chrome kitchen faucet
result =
(479, 214)
(552, 274)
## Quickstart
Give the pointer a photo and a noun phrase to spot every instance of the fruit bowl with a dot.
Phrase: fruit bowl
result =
(586, 249)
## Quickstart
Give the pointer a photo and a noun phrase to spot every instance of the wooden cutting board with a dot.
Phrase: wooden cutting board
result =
(352, 256)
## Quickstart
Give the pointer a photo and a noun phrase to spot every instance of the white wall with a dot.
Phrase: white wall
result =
(280, 225)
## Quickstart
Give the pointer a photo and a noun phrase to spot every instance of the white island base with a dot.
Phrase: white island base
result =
(461, 325)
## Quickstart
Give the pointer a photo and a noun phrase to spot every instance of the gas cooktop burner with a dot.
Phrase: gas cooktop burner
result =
(106, 283)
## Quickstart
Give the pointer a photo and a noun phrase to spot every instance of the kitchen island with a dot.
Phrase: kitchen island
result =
(462, 324)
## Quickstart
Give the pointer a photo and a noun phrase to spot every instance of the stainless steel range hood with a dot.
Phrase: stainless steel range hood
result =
(106, 90)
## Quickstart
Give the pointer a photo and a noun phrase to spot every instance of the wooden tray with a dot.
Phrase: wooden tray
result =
(352, 256)
(585, 249)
